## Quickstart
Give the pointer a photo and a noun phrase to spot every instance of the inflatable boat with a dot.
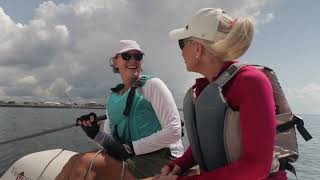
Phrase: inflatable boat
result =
(44, 165)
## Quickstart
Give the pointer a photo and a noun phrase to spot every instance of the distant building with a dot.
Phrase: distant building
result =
(92, 103)
(53, 103)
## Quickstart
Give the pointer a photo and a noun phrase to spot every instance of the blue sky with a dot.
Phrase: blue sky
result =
(290, 45)
(54, 48)
(22, 11)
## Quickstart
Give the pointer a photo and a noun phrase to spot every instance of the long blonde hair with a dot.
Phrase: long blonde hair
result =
(238, 36)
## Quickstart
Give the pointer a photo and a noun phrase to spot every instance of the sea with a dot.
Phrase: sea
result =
(19, 122)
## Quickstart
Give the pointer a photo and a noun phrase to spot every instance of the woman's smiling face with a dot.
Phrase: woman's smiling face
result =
(129, 64)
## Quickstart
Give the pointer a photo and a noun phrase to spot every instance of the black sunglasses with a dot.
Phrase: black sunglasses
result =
(127, 56)
(181, 43)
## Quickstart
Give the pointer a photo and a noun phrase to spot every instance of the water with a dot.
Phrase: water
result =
(17, 122)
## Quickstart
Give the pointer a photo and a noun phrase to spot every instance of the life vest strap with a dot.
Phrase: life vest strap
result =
(299, 124)
(228, 74)
(285, 165)
(129, 101)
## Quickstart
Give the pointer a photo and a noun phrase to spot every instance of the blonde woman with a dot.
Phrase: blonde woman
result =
(210, 45)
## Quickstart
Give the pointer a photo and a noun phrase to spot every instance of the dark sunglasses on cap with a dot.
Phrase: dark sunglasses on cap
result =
(127, 56)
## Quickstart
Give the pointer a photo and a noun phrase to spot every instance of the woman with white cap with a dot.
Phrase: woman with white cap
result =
(143, 117)
(210, 44)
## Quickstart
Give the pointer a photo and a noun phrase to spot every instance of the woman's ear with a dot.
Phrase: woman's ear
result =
(114, 62)
(199, 50)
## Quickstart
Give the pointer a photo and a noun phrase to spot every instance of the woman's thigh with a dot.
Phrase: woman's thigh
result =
(148, 165)
(103, 167)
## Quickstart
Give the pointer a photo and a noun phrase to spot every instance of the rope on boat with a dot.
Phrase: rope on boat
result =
(87, 175)
(91, 164)
(49, 163)
(122, 170)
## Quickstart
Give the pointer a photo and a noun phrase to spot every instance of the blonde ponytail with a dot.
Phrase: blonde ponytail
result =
(236, 42)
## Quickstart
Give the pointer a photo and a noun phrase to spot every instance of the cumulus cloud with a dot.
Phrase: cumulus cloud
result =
(34, 45)
(268, 18)
(59, 88)
(27, 80)
(311, 90)
(65, 47)
(262, 19)
(2, 93)
(305, 99)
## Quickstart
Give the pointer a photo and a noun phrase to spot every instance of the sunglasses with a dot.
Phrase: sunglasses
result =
(181, 43)
(127, 56)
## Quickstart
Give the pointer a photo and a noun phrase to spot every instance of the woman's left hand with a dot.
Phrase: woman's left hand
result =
(167, 177)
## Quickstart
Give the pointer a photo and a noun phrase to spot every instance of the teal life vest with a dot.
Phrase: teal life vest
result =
(131, 116)
(213, 127)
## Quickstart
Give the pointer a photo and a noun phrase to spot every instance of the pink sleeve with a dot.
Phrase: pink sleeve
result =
(186, 161)
(257, 122)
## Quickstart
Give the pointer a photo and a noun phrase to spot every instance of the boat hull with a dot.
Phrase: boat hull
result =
(44, 165)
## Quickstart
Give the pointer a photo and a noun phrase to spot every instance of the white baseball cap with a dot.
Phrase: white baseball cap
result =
(127, 45)
(204, 25)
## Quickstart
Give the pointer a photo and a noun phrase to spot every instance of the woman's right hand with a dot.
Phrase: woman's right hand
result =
(89, 124)
(166, 170)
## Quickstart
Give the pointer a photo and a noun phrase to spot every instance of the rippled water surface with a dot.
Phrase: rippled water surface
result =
(17, 122)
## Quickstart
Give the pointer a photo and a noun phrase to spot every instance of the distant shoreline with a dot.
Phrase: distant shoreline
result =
(50, 106)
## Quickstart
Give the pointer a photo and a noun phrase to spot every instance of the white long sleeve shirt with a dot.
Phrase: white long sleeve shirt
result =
(161, 99)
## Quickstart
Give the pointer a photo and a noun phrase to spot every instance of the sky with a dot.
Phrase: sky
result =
(59, 50)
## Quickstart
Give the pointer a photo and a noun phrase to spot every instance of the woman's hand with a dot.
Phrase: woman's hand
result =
(168, 177)
(89, 124)
(167, 174)
(166, 170)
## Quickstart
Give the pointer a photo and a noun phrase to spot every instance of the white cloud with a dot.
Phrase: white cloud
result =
(65, 46)
(6, 24)
(40, 92)
(262, 19)
(311, 90)
(30, 46)
(27, 80)
(59, 88)
(2, 93)
(305, 99)
(268, 18)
